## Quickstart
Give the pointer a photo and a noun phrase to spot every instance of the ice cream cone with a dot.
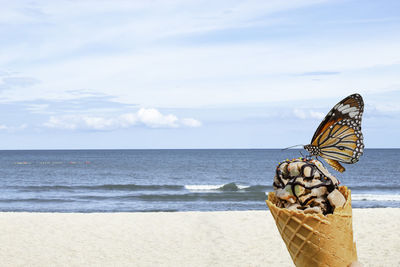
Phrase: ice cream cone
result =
(316, 239)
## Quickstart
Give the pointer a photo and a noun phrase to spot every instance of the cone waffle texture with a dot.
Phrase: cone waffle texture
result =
(316, 239)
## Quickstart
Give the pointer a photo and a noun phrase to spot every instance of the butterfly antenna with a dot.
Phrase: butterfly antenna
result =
(291, 147)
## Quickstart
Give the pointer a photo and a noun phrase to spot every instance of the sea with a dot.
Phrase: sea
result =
(172, 179)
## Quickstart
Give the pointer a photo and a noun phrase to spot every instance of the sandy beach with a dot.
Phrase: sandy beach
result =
(233, 238)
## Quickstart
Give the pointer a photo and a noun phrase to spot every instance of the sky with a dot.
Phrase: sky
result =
(194, 74)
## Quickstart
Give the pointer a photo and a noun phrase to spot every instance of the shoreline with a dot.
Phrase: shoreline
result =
(192, 238)
(161, 211)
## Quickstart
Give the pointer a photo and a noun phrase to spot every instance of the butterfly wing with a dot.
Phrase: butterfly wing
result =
(341, 142)
(339, 138)
(351, 107)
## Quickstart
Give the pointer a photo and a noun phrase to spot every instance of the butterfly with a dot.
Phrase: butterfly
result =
(338, 138)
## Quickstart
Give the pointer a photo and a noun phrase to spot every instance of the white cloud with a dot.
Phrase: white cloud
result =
(63, 122)
(317, 115)
(191, 122)
(151, 54)
(304, 114)
(12, 129)
(74, 25)
(149, 117)
(8, 82)
(387, 107)
(211, 75)
(38, 108)
(299, 113)
(153, 118)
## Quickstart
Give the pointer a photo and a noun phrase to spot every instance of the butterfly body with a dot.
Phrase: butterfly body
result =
(338, 138)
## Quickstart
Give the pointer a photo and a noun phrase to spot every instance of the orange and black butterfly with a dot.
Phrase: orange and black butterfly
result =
(338, 138)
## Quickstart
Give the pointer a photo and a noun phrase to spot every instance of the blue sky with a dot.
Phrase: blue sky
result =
(194, 74)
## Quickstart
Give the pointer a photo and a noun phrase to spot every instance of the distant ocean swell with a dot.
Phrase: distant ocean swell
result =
(106, 187)
(136, 187)
(375, 197)
(176, 193)
(171, 180)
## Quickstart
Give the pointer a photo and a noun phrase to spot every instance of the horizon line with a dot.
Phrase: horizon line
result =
(51, 149)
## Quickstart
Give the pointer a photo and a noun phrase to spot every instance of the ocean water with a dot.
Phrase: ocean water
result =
(172, 180)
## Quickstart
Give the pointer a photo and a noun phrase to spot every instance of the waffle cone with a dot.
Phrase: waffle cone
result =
(316, 239)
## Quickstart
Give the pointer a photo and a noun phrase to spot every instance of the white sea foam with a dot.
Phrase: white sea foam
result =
(202, 187)
(375, 197)
(208, 188)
